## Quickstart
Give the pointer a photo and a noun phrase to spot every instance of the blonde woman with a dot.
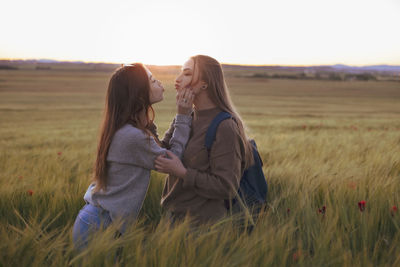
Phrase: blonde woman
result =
(198, 185)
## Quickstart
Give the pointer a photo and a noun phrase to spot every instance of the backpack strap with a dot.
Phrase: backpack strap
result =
(212, 129)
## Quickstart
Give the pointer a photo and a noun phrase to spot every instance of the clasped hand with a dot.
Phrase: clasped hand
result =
(170, 164)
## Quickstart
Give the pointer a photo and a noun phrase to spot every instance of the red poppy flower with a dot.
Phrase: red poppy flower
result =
(288, 210)
(361, 205)
(393, 210)
(20, 177)
(322, 210)
(304, 126)
(296, 255)
(30, 192)
(59, 153)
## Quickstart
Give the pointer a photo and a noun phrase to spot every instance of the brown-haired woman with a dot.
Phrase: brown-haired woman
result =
(199, 185)
(127, 149)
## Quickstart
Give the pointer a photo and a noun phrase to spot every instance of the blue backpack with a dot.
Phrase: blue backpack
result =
(253, 186)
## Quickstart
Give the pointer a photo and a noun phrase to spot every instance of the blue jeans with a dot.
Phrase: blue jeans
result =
(89, 220)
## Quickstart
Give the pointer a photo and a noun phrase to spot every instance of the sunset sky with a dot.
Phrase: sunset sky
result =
(284, 32)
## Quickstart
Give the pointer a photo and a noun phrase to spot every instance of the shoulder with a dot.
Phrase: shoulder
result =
(129, 133)
(128, 130)
(228, 137)
(227, 132)
(228, 127)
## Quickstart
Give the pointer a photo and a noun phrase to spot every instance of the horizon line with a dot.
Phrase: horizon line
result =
(222, 63)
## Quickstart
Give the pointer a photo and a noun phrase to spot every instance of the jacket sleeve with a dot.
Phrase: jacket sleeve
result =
(222, 180)
(137, 148)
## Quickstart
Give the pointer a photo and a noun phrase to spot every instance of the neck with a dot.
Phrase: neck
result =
(202, 101)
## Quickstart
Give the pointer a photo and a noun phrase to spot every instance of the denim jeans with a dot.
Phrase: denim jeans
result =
(89, 220)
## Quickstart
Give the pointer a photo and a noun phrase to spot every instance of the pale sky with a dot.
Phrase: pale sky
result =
(269, 32)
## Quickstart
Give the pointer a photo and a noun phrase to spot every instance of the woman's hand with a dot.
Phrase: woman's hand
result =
(171, 165)
(184, 101)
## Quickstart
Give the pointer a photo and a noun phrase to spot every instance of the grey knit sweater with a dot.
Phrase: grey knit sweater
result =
(130, 159)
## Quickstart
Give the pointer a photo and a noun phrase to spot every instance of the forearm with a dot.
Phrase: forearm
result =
(180, 135)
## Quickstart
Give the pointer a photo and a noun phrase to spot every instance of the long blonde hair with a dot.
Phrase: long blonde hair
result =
(210, 72)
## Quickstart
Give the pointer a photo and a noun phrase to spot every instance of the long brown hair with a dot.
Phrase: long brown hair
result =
(127, 99)
(210, 72)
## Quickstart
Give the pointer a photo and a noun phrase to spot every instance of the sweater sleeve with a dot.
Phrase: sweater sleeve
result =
(180, 135)
(222, 180)
(135, 147)
(168, 134)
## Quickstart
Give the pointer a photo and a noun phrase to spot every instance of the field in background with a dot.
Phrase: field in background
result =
(324, 143)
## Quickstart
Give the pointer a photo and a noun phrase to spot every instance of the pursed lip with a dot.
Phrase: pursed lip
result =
(177, 86)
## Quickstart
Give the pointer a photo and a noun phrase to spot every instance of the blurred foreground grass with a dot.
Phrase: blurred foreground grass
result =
(323, 143)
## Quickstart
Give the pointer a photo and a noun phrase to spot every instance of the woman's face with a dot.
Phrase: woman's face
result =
(156, 88)
(187, 75)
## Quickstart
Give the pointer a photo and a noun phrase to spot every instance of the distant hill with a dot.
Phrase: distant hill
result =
(322, 72)
(382, 68)
(391, 68)
(332, 68)
(50, 64)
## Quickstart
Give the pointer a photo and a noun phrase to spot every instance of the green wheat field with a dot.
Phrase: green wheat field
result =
(323, 143)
